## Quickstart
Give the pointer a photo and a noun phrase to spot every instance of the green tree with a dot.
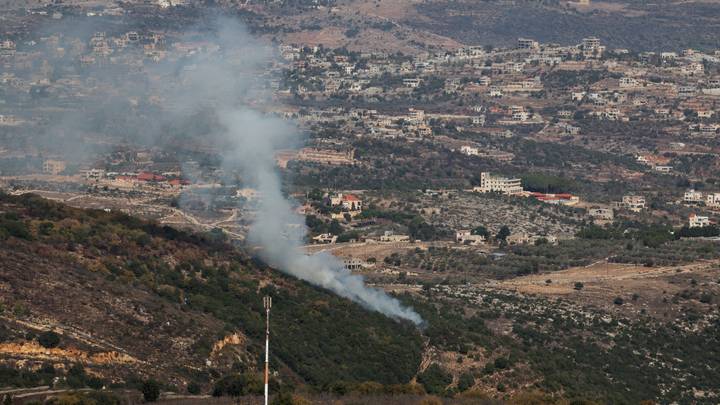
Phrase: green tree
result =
(434, 379)
(49, 339)
(481, 230)
(283, 398)
(335, 227)
(193, 388)
(150, 390)
(466, 381)
(503, 233)
(315, 194)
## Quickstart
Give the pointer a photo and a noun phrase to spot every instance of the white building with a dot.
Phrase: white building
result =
(95, 174)
(592, 48)
(465, 236)
(712, 200)
(504, 185)
(525, 43)
(389, 236)
(495, 91)
(349, 202)
(351, 263)
(416, 116)
(628, 82)
(693, 197)
(478, 120)
(635, 203)
(469, 150)
(697, 221)
(325, 238)
(412, 83)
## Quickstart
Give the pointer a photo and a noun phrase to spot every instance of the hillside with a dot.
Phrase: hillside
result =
(412, 26)
(132, 300)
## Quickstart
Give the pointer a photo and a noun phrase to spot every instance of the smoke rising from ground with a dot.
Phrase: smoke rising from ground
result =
(218, 96)
(279, 230)
(250, 139)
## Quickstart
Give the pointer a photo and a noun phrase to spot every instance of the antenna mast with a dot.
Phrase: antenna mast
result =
(267, 303)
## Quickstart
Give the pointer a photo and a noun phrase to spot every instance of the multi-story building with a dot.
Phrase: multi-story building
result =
(712, 200)
(498, 184)
(53, 167)
(591, 47)
(693, 197)
(525, 43)
(697, 221)
(605, 214)
(628, 82)
(465, 236)
(635, 203)
(349, 202)
(469, 150)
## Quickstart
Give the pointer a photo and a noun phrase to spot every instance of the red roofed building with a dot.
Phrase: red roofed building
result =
(147, 176)
(565, 199)
(178, 183)
(351, 202)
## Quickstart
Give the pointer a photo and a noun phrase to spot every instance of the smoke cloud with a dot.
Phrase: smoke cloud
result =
(216, 95)
(228, 80)
(280, 231)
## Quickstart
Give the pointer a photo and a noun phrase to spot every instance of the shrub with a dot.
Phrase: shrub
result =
(503, 233)
(434, 379)
(17, 229)
(618, 301)
(193, 388)
(236, 385)
(501, 363)
(49, 339)
(369, 388)
(283, 398)
(579, 286)
(466, 381)
(150, 390)
(85, 398)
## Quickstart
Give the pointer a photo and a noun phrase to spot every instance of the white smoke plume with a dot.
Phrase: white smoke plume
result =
(227, 80)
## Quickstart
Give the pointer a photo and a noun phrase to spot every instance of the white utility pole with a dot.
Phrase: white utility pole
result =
(267, 303)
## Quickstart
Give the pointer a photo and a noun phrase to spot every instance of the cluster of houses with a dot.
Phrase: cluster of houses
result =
(468, 238)
(503, 78)
(695, 197)
(386, 237)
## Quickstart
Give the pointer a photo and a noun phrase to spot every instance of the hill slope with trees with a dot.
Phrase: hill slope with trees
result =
(127, 300)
